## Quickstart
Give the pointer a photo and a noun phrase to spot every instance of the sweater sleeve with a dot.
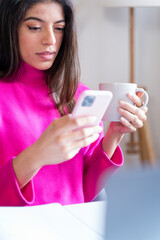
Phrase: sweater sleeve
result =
(10, 193)
(98, 168)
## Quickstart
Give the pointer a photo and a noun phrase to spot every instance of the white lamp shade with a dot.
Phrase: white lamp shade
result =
(130, 3)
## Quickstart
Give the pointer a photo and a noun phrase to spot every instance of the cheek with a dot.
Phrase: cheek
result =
(22, 41)
(25, 45)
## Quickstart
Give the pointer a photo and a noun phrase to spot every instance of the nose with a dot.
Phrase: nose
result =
(49, 37)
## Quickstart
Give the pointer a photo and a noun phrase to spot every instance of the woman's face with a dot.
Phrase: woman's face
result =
(40, 34)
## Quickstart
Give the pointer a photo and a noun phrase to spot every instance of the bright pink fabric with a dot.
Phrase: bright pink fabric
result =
(26, 109)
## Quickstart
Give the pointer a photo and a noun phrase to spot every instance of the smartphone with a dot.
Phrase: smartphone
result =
(92, 102)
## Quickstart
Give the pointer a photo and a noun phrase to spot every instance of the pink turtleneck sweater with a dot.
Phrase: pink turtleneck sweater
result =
(26, 110)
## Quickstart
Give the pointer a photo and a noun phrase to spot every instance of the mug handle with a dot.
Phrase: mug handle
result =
(146, 97)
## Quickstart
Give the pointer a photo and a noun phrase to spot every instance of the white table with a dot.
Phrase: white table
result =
(54, 222)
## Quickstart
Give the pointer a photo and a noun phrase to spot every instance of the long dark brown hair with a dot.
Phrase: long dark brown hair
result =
(62, 78)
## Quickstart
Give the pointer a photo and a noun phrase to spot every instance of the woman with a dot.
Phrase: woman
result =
(44, 158)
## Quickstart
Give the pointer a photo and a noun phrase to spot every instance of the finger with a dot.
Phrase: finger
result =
(68, 123)
(127, 107)
(86, 141)
(128, 125)
(145, 109)
(136, 99)
(68, 148)
(133, 119)
(70, 138)
(83, 121)
(86, 132)
(140, 94)
(70, 154)
(72, 150)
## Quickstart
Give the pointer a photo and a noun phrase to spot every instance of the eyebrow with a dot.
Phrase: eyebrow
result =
(40, 20)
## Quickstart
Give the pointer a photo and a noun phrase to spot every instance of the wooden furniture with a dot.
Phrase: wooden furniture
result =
(144, 144)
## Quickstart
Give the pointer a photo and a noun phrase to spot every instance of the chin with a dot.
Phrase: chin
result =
(42, 66)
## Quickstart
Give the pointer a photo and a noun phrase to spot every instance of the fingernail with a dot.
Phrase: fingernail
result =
(121, 103)
(121, 110)
(130, 94)
(122, 119)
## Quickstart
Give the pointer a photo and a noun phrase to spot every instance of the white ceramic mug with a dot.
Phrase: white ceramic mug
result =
(120, 91)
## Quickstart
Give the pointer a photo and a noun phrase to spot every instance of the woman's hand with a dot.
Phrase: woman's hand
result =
(63, 139)
(60, 142)
(132, 118)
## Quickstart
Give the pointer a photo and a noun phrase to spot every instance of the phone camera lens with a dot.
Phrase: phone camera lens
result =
(88, 101)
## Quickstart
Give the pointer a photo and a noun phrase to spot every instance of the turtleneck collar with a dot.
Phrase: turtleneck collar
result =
(31, 76)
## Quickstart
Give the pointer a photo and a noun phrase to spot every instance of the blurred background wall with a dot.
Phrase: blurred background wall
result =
(103, 38)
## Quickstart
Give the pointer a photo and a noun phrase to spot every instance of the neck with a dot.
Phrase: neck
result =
(30, 75)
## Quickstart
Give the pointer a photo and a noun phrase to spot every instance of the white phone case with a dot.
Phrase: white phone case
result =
(92, 102)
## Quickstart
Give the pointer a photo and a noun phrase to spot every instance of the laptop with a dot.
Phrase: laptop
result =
(133, 204)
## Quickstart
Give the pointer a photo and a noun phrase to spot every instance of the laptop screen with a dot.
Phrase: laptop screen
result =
(133, 205)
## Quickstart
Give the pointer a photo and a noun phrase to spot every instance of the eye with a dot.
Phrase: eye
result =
(34, 28)
(59, 29)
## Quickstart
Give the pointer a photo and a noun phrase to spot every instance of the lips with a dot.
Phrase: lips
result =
(46, 55)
